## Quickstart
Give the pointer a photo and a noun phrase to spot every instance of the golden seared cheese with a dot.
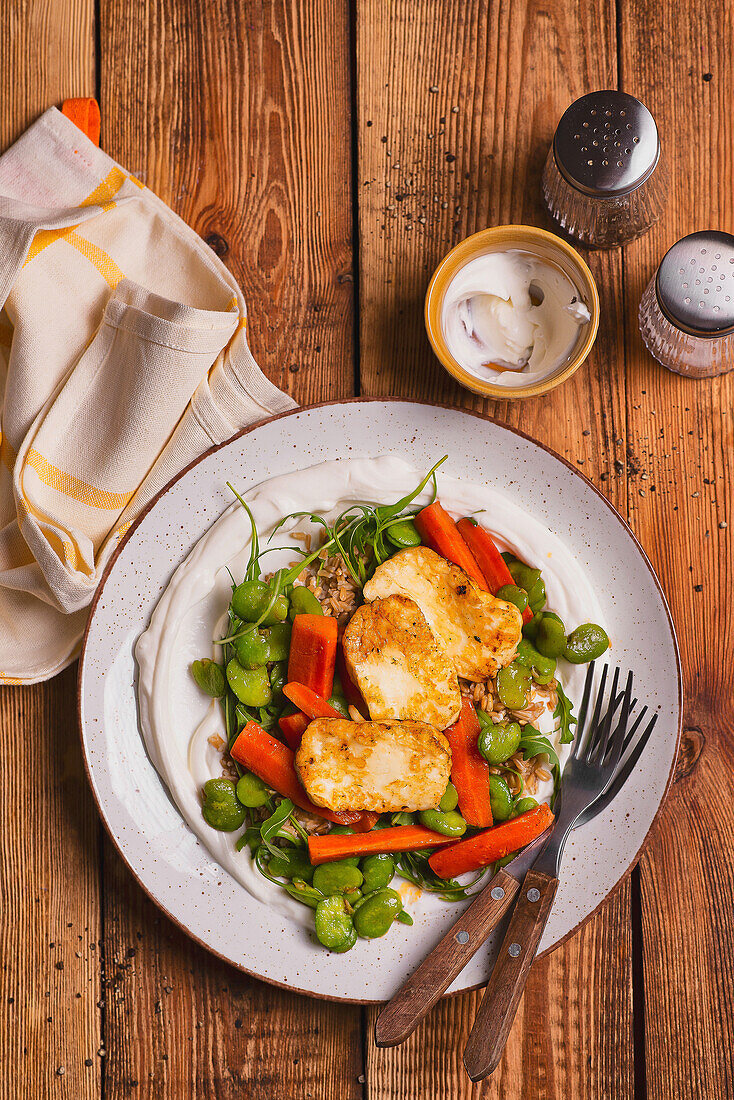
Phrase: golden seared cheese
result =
(380, 766)
(402, 671)
(479, 632)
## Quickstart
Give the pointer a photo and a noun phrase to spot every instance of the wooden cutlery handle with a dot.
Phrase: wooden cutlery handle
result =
(449, 957)
(499, 1005)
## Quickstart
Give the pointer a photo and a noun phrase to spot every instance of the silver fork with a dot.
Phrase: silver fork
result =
(587, 775)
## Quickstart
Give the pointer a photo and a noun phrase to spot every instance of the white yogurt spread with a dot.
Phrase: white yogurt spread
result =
(178, 720)
(512, 318)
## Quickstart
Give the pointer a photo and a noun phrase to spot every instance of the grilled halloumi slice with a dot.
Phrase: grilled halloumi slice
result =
(393, 657)
(379, 766)
(479, 632)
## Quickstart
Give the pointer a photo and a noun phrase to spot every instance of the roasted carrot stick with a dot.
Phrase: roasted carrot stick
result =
(438, 530)
(272, 761)
(469, 769)
(366, 822)
(402, 838)
(84, 113)
(307, 700)
(488, 558)
(484, 848)
(312, 654)
(293, 727)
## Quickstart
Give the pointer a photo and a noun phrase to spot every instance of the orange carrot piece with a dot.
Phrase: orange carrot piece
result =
(367, 822)
(439, 531)
(84, 113)
(496, 843)
(469, 769)
(315, 706)
(293, 727)
(488, 558)
(401, 838)
(272, 761)
(312, 654)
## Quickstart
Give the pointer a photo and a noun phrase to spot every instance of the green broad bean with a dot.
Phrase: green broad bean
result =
(209, 676)
(403, 534)
(278, 677)
(303, 602)
(510, 593)
(497, 743)
(292, 863)
(523, 575)
(334, 926)
(250, 685)
(377, 871)
(537, 596)
(543, 668)
(250, 600)
(376, 913)
(252, 649)
(342, 830)
(450, 823)
(505, 860)
(302, 892)
(550, 636)
(337, 877)
(500, 798)
(251, 791)
(450, 799)
(531, 627)
(405, 918)
(338, 702)
(220, 807)
(279, 641)
(586, 643)
(513, 684)
(508, 557)
(402, 817)
(348, 943)
(522, 806)
(278, 612)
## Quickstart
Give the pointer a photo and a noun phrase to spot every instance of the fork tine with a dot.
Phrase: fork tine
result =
(603, 738)
(592, 740)
(635, 726)
(581, 720)
(617, 740)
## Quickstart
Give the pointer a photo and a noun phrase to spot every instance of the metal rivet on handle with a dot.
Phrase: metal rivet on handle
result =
(533, 894)
(462, 937)
(498, 893)
(514, 950)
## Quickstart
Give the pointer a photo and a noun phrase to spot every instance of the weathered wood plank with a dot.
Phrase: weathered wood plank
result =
(237, 115)
(680, 493)
(456, 109)
(49, 978)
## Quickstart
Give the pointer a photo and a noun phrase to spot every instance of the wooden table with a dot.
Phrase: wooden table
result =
(332, 153)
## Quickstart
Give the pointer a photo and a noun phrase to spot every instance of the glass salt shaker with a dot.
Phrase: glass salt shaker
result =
(687, 311)
(603, 180)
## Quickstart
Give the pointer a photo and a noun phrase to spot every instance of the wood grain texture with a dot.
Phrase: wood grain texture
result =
(456, 107)
(239, 117)
(49, 931)
(680, 479)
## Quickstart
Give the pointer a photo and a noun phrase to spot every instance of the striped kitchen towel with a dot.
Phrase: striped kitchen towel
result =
(123, 356)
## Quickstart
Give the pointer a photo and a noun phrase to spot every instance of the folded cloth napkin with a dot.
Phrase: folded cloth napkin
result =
(123, 356)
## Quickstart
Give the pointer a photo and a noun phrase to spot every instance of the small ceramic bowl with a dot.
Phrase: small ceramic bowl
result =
(547, 247)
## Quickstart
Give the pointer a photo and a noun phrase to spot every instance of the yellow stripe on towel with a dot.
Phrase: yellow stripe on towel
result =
(105, 265)
(108, 188)
(73, 487)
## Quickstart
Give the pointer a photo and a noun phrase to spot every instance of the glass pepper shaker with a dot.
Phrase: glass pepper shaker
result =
(687, 311)
(603, 180)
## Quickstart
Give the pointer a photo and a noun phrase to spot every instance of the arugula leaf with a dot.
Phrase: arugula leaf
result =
(564, 716)
(271, 828)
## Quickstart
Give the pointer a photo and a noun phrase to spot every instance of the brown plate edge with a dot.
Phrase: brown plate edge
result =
(350, 401)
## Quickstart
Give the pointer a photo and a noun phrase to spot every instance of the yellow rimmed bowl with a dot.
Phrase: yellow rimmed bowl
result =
(547, 247)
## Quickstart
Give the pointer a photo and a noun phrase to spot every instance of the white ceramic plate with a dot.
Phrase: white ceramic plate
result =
(164, 855)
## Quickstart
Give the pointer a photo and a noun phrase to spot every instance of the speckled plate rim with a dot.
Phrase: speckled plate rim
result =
(239, 435)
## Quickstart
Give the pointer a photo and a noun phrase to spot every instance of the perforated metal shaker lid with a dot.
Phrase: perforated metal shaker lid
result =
(606, 144)
(695, 283)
